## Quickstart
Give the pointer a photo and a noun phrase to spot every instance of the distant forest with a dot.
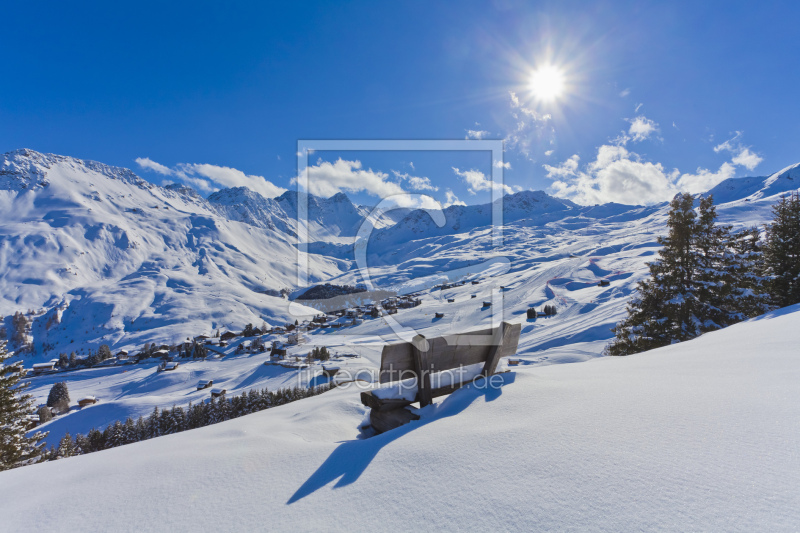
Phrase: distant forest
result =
(323, 292)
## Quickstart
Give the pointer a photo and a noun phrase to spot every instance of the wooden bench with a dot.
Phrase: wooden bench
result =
(423, 359)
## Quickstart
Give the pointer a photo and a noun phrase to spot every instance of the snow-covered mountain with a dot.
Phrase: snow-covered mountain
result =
(107, 257)
(121, 260)
(756, 188)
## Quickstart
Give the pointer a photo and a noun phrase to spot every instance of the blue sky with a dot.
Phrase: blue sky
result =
(657, 96)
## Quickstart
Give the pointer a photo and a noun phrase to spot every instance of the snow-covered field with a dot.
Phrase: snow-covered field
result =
(699, 436)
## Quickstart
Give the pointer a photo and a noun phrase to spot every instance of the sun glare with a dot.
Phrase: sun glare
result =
(547, 83)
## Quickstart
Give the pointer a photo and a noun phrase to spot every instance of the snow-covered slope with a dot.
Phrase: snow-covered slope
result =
(699, 436)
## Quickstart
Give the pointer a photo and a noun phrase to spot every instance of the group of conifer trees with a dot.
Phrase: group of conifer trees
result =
(16, 448)
(177, 419)
(708, 276)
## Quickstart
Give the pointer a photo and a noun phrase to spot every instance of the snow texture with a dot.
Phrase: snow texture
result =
(698, 436)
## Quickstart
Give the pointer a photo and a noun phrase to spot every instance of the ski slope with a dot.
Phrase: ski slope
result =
(699, 436)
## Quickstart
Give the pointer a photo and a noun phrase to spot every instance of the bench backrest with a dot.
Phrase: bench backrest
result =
(422, 356)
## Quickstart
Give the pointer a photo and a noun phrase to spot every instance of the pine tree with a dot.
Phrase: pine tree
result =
(96, 439)
(141, 429)
(82, 444)
(44, 414)
(66, 447)
(782, 251)
(749, 294)
(115, 436)
(714, 263)
(104, 352)
(662, 310)
(153, 426)
(59, 397)
(129, 433)
(16, 449)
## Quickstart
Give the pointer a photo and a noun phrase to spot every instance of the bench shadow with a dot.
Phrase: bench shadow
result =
(351, 458)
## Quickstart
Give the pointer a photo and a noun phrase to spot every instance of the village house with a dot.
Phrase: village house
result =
(278, 349)
(228, 335)
(41, 368)
(87, 400)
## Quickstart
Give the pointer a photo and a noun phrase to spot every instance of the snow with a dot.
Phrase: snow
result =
(696, 436)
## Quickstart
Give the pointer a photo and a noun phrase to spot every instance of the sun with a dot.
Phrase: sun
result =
(547, 83)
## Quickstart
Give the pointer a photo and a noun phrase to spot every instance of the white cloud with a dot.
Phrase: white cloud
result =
(415, 182)
(624, 93)
(563, 170)
(477, 181)
(148, 164)
(704, 179)
(742, 154)
(500, 164)
(548, 153)
(476, 134)
(231, 177)
(208, 178)
(641, 128)
(326, 179)
(616, 175)
(637, 108)
(452, 199)
(411, 164)
(619, 175)
(747, 159)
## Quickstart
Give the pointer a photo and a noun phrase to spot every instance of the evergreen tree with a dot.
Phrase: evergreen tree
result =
(96, 439)
(782, 251)
(44, 414)
(129, 433)
(749, 294)
(153, 424)
(141, 429)
(104, 352)
(16, 449)
(662, 309)
(82, 444)
(21, 325)
(66, 447)
(199, 351)
(714, 264)
(59, 397)
(115, 436)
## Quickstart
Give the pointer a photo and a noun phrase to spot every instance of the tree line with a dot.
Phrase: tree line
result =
(708, 276)
(177, 419)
